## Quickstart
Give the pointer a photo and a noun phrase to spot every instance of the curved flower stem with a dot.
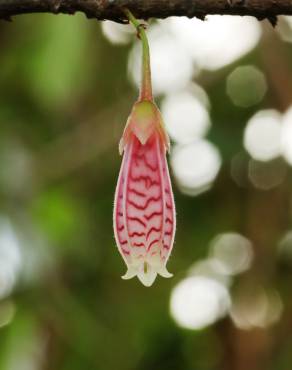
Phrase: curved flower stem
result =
(146, 87)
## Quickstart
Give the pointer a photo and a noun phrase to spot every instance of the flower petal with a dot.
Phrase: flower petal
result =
(144, 213)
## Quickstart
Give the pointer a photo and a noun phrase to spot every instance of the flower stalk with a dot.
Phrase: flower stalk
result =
(146, 85)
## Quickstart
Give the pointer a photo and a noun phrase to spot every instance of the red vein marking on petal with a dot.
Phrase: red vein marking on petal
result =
(152, 243)
(148, 217)
(126, 172)
(148, 181)
(123, 242)
(147, 164)
(143, 207)
(138, 220)
(134, 191)
(121, 228)
(125, 251)
(136, 233)
(161, 158)
(151, 230)
(168, 220)
(139, 244)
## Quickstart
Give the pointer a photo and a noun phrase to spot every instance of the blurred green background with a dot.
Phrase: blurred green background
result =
(67, 85)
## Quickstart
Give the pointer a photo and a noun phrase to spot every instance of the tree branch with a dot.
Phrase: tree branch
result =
(144, 9)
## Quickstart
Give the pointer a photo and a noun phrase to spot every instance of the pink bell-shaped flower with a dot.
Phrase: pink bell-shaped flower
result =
(144, 210)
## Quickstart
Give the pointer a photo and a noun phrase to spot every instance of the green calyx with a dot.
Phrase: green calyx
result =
(144, 120)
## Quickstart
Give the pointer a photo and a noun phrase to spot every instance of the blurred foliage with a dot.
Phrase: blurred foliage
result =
(64, 99)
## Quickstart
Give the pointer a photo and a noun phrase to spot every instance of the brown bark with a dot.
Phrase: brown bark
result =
(144, 9)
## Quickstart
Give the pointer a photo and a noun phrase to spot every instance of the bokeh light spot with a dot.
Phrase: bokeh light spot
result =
(219, 40)
(185, 117)
(195, 166)
(286, 138)
(239, 169)
(256, 307)
(262, 136)
(233, 252)
(117, 33)
(210, 268)
(198, 301)
(246, 86)
(267, 175)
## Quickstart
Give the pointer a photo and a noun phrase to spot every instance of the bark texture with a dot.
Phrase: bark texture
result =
(144, 9)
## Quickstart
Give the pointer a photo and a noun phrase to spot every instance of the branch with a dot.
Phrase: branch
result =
(144, 9)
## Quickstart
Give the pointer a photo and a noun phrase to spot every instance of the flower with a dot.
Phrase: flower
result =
(144, 212)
